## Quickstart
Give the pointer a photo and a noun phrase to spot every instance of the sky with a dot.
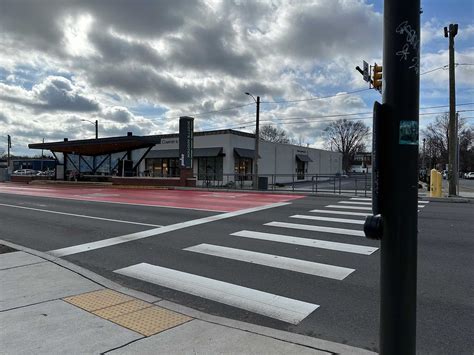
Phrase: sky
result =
(139, 65)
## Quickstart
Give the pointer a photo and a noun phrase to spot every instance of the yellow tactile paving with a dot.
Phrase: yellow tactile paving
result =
(93, 301)
(150, 320)
(121, 309)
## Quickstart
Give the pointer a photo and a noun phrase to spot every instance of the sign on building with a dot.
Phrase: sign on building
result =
(186, 142)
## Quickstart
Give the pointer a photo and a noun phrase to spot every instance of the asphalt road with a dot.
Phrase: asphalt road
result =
(348, 305)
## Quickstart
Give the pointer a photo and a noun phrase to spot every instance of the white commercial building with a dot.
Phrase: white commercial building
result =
(228, 155)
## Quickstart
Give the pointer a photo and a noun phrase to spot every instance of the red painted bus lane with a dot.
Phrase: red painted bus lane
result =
(186, 199)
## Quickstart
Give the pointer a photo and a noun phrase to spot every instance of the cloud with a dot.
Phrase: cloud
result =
(117, 114)
(58, 93)
(144, 82)
(319, 31)
(113, 49)
(4, 118)
(54, 93)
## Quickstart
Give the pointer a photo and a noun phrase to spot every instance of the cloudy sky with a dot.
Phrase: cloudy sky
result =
(139, 65)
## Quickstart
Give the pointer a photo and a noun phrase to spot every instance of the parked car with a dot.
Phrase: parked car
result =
(25, 172)
(470, 175)
(46, 173)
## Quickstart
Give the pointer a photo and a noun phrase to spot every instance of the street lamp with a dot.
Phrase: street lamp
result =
(96, 123)
(257, 138)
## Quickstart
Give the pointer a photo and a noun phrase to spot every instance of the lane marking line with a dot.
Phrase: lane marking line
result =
(361, 199)
(328, 219)
(157, 231)
(264, 303)
(424, 202)
(348, 213)
(316, 228)
(275, 261)
(80, 215)
(307, 242)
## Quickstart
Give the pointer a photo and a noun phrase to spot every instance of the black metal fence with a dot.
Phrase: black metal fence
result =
(355, 184)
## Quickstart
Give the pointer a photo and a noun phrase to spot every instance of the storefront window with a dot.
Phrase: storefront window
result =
(243, 167)
(210, 168)
(162, 167)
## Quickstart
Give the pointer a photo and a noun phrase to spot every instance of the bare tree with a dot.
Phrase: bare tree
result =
(272, 134)
(437, 140)
(347, 137)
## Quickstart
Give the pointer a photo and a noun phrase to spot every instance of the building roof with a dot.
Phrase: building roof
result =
(100, 146)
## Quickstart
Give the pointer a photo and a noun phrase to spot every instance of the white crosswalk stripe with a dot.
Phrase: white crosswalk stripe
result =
(328, 219)
(350, 207)
(355, 203)
(307, 242)
(347, 213)
(423, 202)
(267, 304)
(276, 261)
(361, 199)
(316, 228)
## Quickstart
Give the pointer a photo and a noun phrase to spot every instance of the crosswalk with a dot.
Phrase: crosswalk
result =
(342, 220)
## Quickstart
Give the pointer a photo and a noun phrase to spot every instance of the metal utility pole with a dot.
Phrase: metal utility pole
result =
(395, 187)
(423, 162)
(96, 129)
(453, 165)
(9, 145)
(257, 139)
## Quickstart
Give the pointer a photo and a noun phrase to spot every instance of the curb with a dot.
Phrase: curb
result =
(294, 338)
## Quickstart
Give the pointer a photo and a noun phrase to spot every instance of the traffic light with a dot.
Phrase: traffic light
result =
(377, 77)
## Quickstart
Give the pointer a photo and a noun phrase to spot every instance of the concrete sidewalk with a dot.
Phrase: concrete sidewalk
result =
(50, 306)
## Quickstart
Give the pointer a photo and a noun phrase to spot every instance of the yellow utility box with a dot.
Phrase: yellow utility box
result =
(436, 182)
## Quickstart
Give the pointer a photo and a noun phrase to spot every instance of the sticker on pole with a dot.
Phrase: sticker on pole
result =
(408, 133)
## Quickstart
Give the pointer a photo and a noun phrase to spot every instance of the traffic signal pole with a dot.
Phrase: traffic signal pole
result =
(395, 185)
(401, 90)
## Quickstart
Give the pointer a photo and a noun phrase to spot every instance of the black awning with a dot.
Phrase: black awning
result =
(303, 157)
(207, 152)
(245, 153)
(163, 153)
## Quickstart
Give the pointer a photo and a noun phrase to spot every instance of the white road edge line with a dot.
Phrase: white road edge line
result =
(328, 219)
(267, 304)
(307, 242)
(275, 261)
(316, 228)
(80, 215)
(156, 231)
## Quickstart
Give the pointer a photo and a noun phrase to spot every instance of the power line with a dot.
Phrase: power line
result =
(329, 120)
(313, 98)
(358, 113)
(444, 67)
(435, 69)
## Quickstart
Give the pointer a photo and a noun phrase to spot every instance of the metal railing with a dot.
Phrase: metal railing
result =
(354, 184)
